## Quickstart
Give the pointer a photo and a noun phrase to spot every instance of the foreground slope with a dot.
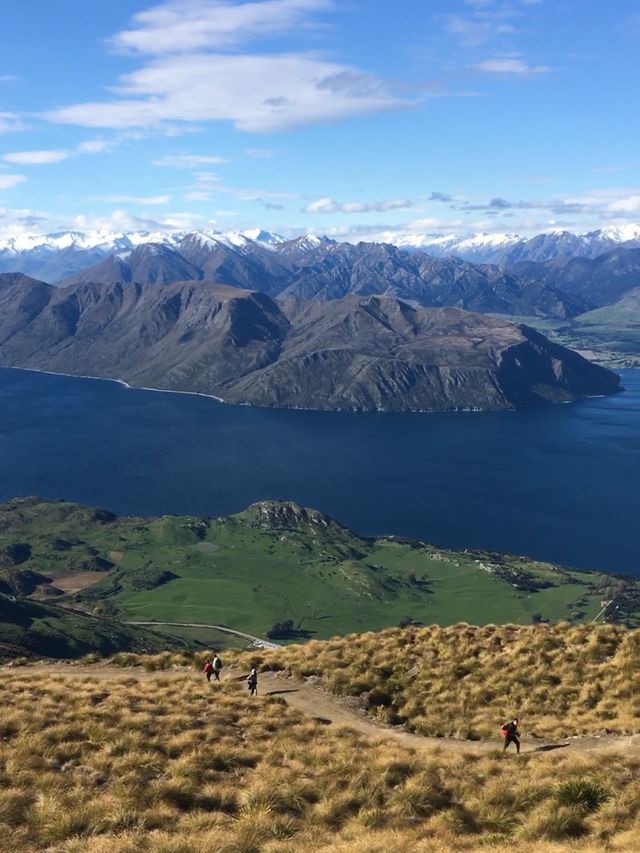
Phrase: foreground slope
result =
(278, 562)
(99, 761)
(360, 353)
(458, 681)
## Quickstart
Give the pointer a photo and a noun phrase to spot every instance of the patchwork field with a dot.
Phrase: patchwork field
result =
(282, 571)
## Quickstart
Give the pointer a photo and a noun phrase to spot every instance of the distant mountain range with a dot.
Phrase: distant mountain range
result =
(362, 352)
(555, 276)
(327, 270)
(506, 249)
(55, 257)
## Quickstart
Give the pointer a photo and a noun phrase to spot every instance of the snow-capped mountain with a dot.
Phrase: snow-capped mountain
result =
(65, 255)
(54, 257)
(512, 248)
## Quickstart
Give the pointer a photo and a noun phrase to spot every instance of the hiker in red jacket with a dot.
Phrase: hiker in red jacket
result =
(510, 732)
(208, 669)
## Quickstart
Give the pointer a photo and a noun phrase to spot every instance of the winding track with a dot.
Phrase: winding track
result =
(314, 702)
(258, 642)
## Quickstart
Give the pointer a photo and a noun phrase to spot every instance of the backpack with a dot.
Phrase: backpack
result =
(506, 729)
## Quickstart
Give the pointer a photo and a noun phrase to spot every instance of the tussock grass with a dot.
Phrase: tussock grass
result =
(462, 681)
(162, 763)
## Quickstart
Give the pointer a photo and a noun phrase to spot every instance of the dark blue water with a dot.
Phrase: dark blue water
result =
(559, 483)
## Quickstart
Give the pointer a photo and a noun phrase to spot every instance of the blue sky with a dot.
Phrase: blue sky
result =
(345, 117)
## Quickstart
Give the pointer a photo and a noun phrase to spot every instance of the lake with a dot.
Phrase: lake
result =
(560, 483)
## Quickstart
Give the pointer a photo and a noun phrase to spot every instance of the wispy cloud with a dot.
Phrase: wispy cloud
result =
(187, 78)
(328, 205)
(136, 199)
(56, 155)
(254, 93)
(198, 195)
(36, 158)
(10, 122)
(189, 161)
(186, 26)
(509, 65)
(9, 181)
(261, 153)
(607, 203)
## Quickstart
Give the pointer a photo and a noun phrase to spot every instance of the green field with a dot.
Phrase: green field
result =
(277, 562)
(609, 336)
(34, 629)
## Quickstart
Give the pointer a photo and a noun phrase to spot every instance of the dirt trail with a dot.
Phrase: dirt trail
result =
(257, 642)
(320, 705)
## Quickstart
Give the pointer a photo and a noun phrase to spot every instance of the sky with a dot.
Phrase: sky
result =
(359, 119)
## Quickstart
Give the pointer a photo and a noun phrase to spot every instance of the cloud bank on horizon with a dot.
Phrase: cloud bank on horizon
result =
(361, 121)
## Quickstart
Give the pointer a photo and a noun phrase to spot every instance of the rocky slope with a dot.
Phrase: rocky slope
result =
(599, 281)
(325, 270)
(361, 353)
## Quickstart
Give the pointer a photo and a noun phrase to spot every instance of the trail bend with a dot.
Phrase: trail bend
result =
(316, 703)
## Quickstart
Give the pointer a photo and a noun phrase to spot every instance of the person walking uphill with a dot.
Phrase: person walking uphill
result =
(510, 732)
(217, 667)
(252, 682)
(208, 669)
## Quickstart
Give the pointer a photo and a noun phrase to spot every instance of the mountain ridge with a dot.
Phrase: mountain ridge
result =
(59, 255)
(365, 353)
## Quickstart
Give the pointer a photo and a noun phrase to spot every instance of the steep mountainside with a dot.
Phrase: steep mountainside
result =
(325, 270)
(364, 353)
(600, 281)
(336, 270)
(151, 263)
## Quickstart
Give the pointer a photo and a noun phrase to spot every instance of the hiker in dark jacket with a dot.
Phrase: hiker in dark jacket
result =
(252, 682)
(510, 732)
(217, 667)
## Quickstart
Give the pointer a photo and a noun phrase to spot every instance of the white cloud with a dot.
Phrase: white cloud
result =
(508, 65)
(9, 181)
(198, 195)
(255, 93)
(260, 153)
(32, 158)
(630, 204)
(328, 205)
(94, 146)
(184, 26)
(188, 161)
(124, 220)
(137, 199)
(188, 77)
(57, 155)
(10, 122)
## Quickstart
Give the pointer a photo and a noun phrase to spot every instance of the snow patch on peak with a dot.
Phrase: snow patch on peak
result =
(266, 238)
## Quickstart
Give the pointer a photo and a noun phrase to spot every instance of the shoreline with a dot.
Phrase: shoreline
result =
(120, 382)
(473, 411)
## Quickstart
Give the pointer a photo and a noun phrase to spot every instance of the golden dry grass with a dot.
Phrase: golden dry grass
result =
(463, 681)
(119, 762)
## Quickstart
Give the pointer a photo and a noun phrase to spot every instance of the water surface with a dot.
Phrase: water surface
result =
(560, 483)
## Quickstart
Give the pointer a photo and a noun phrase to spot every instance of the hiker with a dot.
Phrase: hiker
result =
(217, 666)
(510, 732)
(208, 669)
(252, 682)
